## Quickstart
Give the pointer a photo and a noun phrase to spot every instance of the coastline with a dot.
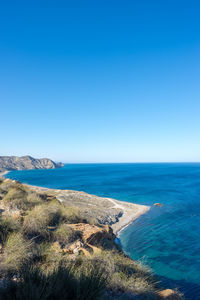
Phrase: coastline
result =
(143, 210)
(131, 212)
(2, 173)
(121, 214)
(125, 212)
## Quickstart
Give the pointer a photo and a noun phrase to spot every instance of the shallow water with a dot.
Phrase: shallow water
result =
(166, 238)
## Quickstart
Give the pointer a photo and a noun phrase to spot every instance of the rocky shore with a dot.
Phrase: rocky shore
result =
(116, 214)
(68, 224)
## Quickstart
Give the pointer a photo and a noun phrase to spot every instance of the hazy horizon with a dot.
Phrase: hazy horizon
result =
(112, 162)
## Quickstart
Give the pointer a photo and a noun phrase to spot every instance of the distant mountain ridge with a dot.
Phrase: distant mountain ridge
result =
(8, 163)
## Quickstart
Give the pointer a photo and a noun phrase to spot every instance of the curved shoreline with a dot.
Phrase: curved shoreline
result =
(3, 173)
(124, 213)
(119, 231)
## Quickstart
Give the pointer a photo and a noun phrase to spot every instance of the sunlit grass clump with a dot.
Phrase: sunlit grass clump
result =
(44, 218)
(19, 197)
(17, 251)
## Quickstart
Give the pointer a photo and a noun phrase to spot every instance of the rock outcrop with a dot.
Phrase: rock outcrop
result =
(169, 294)
(158, 204)
(8, 163)
(95, 235)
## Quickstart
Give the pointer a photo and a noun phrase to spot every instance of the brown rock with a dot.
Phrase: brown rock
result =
(85, 252)
(158, 204)
(169, 294)
(73, 248)
(94, 235)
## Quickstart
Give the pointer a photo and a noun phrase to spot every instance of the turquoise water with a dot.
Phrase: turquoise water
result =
(166, 238)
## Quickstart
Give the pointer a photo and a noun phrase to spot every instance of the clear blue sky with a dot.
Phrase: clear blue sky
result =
(100, 81)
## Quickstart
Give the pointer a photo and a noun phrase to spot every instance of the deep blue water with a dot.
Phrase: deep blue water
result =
(166, 238)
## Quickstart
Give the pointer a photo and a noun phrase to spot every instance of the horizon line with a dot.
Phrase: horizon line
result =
(131, 162)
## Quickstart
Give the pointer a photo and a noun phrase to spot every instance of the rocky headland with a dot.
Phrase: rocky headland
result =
(9, 163)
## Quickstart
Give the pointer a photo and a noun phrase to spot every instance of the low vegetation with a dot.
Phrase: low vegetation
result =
(44, 256)
(8, 225)
(18, 197)
(17, 251)
(64, 234)
(64, 282)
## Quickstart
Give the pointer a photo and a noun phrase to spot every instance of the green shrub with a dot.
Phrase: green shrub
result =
(17, 251)
(65, 234)
(8, 224)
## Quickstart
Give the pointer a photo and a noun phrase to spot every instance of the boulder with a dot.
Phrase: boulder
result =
(95, 235)
(169, 294)
(158, 204)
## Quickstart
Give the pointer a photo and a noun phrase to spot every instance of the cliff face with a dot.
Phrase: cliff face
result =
(26, 162)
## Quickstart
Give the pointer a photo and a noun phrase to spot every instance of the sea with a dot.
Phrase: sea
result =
(166, 238)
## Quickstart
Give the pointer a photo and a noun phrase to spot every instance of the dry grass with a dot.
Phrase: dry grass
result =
(36, 222)
(8, 225)
(61, 283)
(71, 214)
(126, 276)
(19, 197)
(15, 198)
(48, 256)
(33, 199)
(65, 234)
(42, 216)
(17, 251)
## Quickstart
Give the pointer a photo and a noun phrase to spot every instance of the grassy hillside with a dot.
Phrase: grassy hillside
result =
(49, 251)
